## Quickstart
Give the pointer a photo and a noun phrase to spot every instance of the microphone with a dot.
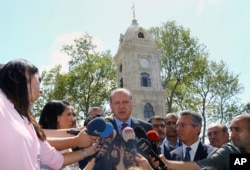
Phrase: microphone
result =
(96, 126)
(114, 157)
(107, 136)
(153, 137)
(145, 147)
(111, 137)
(140, 132)
(128, 136)
(107, 131)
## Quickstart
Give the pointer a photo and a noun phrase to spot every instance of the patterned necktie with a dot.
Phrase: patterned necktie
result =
(187, 154)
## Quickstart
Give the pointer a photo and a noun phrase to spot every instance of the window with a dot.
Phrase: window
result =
(120, 69)
(140, 35)
(121, 82)
(145, 80)
(148, 111)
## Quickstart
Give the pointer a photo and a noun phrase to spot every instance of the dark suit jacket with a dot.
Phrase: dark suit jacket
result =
(105, 163)
(167, 150)
(202, 152)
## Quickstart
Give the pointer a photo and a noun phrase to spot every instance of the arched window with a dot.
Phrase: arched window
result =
(121, 82)
(148, 111)
(120, 69)
(145, 80)
(140, 35)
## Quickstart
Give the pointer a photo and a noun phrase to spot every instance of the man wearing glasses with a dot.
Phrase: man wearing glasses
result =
(188, 130)
(159, 125)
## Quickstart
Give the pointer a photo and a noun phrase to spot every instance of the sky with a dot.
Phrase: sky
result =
(36, 30)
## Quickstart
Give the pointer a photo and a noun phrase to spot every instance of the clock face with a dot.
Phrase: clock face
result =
(144, 62)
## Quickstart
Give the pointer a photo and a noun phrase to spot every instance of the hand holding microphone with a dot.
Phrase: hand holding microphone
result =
(145, 147)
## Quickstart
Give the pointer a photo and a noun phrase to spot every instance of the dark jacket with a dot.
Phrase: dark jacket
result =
(106, 162)
(202, 152)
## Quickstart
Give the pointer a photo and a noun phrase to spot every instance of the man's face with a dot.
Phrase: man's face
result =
(216, 136)
(187, 132)
(160, 127)
(240, 134)
(171, 127)
(121, 105)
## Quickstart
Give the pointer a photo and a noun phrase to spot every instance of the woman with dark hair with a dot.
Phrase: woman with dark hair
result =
(59, 114)
(23, 142)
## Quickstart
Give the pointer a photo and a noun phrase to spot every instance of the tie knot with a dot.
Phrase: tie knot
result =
(188, 149)
(123, 126)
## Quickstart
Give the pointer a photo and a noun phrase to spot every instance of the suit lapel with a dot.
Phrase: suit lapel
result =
(200, 152)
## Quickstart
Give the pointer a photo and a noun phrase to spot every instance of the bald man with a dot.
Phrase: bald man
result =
(217, 134)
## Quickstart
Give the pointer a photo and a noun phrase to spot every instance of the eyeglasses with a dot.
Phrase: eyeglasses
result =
(159, 125)
(183, 125)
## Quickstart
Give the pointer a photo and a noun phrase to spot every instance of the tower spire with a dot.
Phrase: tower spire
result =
(133, 9)
(134, 21)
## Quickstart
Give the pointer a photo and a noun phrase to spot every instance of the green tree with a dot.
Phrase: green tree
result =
(246, 108)
(89, 81)
(227, 88)
(190, 79)
(179, 55)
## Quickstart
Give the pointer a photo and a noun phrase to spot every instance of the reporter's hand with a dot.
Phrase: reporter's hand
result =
(92, 149)
(90, 165)
(143, 162)
(85, 140)
(155, 163)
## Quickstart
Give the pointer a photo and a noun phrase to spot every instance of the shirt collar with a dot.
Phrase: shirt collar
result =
(119, 123)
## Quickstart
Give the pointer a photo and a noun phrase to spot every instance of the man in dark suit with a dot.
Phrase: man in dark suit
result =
(188, 129)
(121, 104)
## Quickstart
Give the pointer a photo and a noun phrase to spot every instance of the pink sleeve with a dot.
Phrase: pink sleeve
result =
(50, 156)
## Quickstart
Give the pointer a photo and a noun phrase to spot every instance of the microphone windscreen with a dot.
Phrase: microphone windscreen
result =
(128, 133)
(153, 136)
(96, 126)
(107, 131)
(114, 156)
(140, 132)
(111, 137)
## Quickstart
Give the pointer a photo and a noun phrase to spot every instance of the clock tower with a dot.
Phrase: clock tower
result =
(138, 69)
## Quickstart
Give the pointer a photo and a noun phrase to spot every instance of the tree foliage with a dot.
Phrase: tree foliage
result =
(191, 80)
(89, 81)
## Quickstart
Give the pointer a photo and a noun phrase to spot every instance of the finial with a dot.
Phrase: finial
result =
(133, 8)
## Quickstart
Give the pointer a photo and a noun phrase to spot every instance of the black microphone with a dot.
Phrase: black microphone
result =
(128, 136)
(145, 148)
(153, 137)
(140, 132)
(114, 157)
(96, 126)
(73, 131)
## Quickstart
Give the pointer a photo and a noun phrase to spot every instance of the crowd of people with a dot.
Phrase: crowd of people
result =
(169, 142)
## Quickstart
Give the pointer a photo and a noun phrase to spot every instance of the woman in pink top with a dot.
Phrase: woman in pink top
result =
(23, 142)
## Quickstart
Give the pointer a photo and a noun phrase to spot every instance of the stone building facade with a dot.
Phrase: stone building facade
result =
(138, 69)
